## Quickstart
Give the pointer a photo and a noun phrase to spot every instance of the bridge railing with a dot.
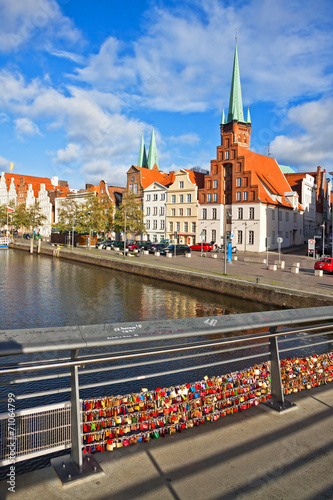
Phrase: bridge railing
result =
(81, 360)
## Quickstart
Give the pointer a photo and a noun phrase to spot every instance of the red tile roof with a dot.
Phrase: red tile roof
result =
(150, 176)
(267, 174)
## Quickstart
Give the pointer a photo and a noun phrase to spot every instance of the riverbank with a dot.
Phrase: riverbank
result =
(247, 278)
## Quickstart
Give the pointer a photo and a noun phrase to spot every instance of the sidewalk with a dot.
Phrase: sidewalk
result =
(252, 455)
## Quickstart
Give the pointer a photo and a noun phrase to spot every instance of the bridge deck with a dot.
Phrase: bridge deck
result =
(256, 454)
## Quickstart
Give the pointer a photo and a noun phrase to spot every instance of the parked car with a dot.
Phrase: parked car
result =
(325, 264)
(180, 249)
(157, 247)
(205, 247)
(145, 245)
(100, 244)
(108, 245)
(26, 236)
(319, 249)
(220, 248)
(133, 245)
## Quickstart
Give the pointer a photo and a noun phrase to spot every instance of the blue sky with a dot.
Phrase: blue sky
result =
(80, 81)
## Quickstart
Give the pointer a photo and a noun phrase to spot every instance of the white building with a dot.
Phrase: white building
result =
(154, 210)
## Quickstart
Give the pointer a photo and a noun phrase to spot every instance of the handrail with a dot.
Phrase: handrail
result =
(149, 340)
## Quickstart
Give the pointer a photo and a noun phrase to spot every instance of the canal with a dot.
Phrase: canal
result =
(39, 291)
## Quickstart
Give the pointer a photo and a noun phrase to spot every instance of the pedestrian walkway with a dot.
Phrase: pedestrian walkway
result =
(255, 454)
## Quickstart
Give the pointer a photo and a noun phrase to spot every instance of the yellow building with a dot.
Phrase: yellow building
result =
(182, 206)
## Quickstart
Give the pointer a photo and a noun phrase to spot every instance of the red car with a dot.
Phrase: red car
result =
(326, 264)
(206, 247)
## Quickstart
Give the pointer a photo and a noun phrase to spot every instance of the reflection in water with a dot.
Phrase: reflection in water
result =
(40, 291)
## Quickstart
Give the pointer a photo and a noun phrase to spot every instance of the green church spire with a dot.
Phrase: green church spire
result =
(235, 111)
(152, 156)
(142, 161)
(248, 117)
(223, 118)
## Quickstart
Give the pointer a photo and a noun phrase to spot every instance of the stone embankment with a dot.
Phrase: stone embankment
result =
(244, 279)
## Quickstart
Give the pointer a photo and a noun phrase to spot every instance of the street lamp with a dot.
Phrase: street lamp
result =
(323, 249)
(227, 213)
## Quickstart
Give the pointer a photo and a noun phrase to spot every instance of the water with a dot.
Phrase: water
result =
(40, 291)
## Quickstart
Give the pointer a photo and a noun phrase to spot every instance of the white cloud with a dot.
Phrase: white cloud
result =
(183, 61)
(312, 145)
(24, 126)
(68, 55)
(190, 138)
(42, 21)
(68, 155)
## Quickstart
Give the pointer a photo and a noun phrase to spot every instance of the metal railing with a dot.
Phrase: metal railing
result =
(126, 354)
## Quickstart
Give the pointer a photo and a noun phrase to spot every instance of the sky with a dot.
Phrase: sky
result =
(81, 81)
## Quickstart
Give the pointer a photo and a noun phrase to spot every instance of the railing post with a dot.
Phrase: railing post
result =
(71, 468)
(76, 431)
(277, 401)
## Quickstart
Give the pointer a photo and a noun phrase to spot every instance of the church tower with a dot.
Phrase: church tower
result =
(236, 130)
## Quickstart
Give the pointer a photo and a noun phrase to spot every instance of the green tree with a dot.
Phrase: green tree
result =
(130, 211)
(35, 217)
(20, 217)
(68, 215)
(3, 215)
(95, 215)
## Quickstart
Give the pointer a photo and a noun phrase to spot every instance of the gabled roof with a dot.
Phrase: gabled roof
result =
(196, 178)
(267, 174)
(150, 176)
(34, 181)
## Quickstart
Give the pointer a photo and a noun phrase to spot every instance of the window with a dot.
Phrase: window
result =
(238, 182)
(148, 211)
(148, 197)
(154, 224)
(204, 213)
(213, 235)
(162, 196)
(181, 198)
(214, 213)
(185, 227)
(227, 155)
(240, 213)
(251, 213)
(181, 212)
(193, 227)
(251, 237)
(178, 227)
(239, 237)
(204, 234)
(287, 216)
(245, 196)
(280, 215)
(238, 196)
(215, 184)
(148, 224)
(215, 197)
(273, 214)
(173, 198)
(162, 224)
(161, 210)
(181, 184)
(287, 234)
(294, 216)
(131, 187)
(188, 211)
(135, 189)
(188, 198)
(155, 197)
(209, 198)
(154, 210)
(173, 212)
(171, 227)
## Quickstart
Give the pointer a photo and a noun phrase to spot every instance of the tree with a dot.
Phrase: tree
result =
(3, 215)
(68, 215)
(20, 217)
(95, 215)
(130, 212)
(35, 218)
